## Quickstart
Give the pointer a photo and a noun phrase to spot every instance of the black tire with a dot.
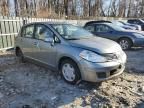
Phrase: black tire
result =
(19, 55)
(76, 71)
(125, 43)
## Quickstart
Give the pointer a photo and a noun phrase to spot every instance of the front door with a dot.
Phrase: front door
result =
(44, 51)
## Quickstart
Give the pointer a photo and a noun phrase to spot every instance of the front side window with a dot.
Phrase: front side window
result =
(28, 31)
(115, 27)
(71, 32)
(139, 22)
(102, 28)
(43, 32)
(118, 23)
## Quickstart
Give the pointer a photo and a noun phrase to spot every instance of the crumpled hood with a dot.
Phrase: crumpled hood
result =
(97, 44)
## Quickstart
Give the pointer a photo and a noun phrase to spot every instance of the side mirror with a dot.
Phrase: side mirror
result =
(56, 40)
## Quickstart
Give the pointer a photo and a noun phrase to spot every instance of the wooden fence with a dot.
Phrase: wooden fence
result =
(9, 27)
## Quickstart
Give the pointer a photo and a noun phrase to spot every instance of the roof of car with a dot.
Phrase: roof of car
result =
(49, 22)
(103, 23)
(99, 21)
(133, 19)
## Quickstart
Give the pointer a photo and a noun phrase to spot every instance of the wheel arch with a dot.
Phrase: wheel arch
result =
(76, 64)
(65, 58)
(124, 37)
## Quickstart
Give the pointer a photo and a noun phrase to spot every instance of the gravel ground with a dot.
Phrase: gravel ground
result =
(25, 85)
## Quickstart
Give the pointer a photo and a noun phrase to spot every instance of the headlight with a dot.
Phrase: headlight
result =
(138, 35)
(93, 57)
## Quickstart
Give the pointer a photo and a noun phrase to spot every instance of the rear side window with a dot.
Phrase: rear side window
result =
(28, 31)
(90, 28)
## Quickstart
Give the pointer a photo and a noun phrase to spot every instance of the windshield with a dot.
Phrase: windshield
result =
(116, 27)
(118, 23)
(125, 23)
(71, 32)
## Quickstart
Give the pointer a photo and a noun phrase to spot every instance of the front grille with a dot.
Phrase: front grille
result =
(109, 73)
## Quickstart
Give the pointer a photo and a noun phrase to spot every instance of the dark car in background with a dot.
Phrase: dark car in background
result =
(125, 26)
(125, 38)
(137, 27)
(138, 22)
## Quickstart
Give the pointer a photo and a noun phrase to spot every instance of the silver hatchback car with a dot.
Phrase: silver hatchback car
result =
(70, 50)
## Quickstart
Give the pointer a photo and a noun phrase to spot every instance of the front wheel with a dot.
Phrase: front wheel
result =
(125, 43)
(70, 71)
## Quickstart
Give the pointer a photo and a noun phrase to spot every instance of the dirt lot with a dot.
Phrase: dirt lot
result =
(24, 85)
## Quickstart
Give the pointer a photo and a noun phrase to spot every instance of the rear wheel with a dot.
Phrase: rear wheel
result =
(70, 71)
(125, 43)
(19, 55)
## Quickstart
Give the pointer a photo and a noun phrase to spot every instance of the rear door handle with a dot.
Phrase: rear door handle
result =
(35, 43)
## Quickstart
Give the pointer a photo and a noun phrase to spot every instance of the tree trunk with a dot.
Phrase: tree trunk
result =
(66, 7)
(16, 8)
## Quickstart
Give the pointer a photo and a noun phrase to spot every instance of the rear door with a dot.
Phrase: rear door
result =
(27, 39)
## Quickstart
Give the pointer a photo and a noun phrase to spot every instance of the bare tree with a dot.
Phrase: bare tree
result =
(4, 7)
(16, 8)
(141, 8)
(74, 8)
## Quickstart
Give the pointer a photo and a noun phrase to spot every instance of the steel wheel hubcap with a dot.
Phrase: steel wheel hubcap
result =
(124, 44)
(68, 72)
